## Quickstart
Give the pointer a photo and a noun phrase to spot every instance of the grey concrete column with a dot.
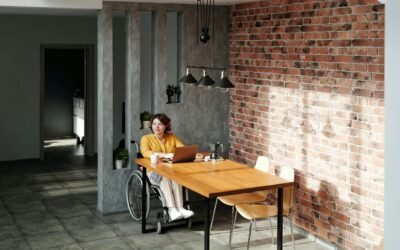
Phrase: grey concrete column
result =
(104, 103)
(160, 59)
(132, 98)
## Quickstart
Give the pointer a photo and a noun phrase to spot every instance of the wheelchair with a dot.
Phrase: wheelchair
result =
(134, 198)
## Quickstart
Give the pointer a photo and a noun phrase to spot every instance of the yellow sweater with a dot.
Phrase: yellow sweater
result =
(150, 143)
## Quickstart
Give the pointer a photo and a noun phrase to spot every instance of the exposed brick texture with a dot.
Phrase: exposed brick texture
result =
(309, 94)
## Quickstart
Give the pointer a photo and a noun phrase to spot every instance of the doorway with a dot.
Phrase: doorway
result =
(67, 100)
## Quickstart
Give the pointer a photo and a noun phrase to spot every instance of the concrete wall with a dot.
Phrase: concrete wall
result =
(201, 117)
(21, 37)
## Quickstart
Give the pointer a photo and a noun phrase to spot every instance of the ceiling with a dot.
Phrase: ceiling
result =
(64, 7)
(217, 2)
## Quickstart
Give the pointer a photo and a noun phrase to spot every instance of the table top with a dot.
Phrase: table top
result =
(216, 178)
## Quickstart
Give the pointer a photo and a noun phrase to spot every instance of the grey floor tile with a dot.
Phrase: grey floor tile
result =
(15, 190)
(87, 198)
(83, 189)
(9, 232)
(69, 175)
(183, 235)
(87, 228)
(126, 228)
(66, 247)
(120, 217)
(89, 221)
(90, 234)
(39, 178)
(79, 183)
(39, 187)
(48, 240)
(54, 193)
(106, 244)
(14, 244)
(3, 210)
(148, 240)
(23, 203)
(41, 227)
(6, 220)
(32, 216)
(70, 210)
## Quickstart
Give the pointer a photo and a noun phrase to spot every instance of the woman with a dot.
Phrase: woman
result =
(163, 143)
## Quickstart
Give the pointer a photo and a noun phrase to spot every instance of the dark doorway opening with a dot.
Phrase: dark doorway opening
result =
(67, 125)
(64, 86)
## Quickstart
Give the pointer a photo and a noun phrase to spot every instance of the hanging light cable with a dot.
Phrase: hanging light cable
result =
(205, 9)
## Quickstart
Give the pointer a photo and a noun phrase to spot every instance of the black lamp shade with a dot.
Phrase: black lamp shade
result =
(224, 82)
(205, 80)
(188, 78)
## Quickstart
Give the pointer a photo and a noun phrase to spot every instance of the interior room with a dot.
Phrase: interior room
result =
(266, 87)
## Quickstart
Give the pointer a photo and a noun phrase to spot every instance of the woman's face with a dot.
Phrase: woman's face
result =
(158, 127)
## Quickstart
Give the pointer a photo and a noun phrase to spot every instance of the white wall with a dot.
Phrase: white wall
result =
(21, 37)
(392, 124)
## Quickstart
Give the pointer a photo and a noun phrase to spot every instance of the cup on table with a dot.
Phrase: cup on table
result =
(154, 159)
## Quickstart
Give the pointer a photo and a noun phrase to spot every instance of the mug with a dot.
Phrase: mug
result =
(154, 159)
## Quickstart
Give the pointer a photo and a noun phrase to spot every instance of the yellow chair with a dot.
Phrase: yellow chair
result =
(264, 211)
(262, 164)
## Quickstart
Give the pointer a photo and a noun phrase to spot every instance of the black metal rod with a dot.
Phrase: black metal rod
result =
(204, 67)
(207, 226)
(280, 219)
(144, 196)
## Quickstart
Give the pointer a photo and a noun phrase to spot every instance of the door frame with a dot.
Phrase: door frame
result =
(90, 90)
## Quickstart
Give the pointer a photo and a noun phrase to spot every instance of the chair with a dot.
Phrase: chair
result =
(258, 211)
(134, 197)
(262, 164)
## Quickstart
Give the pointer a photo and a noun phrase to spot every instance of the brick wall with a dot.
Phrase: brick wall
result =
(309, 94)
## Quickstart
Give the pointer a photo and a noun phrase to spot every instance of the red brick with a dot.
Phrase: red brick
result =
(286, 87)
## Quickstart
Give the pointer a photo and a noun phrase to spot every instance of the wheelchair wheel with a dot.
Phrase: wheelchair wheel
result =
(134, 196)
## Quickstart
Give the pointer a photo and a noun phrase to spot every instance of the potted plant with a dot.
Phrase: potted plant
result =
(121, 157)
(145, 118)
(178, 92)
(170, 93)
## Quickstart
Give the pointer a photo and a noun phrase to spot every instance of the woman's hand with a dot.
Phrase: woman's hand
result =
(165, 155)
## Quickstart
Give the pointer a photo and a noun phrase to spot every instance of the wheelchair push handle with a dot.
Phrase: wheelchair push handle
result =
(138, 154)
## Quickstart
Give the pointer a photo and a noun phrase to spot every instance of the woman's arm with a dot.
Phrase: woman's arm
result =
(147, 149)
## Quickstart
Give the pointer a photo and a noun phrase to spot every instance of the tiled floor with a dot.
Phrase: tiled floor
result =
(52, 205)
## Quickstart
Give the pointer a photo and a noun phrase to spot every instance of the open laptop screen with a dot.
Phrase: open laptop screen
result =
(184, 154)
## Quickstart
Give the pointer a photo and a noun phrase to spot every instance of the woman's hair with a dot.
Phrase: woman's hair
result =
(164, 119)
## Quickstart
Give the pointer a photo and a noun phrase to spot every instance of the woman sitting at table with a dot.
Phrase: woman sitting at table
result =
(163, 143)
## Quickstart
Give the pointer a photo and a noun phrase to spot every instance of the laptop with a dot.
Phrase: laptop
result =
(184, 154)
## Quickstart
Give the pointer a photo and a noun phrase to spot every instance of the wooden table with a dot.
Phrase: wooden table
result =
(213, 179)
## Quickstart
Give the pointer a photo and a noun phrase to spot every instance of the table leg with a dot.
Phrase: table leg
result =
(207, 226)
(280, 219)
(144, 196)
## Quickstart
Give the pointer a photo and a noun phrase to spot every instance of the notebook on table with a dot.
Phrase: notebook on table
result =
(183, 154)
